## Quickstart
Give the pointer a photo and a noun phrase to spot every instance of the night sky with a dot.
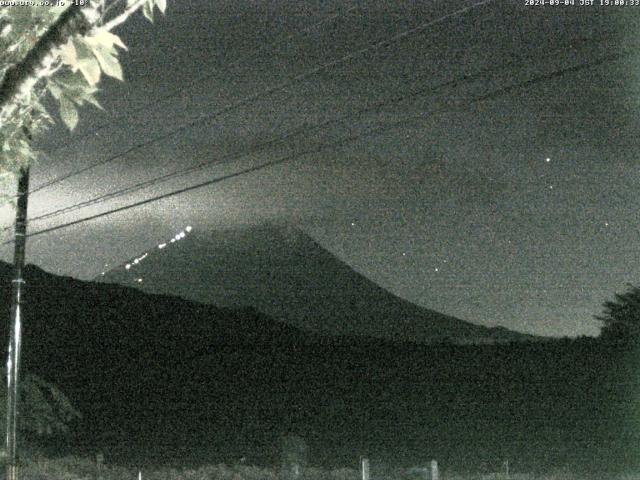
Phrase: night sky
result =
(517, 210)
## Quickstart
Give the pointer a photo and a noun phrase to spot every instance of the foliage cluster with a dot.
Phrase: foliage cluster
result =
(621, 316)
(71, 77)
(44, 409)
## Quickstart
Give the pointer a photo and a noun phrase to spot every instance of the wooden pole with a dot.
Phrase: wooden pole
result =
(15, 322)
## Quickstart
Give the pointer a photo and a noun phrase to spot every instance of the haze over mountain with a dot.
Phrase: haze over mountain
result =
(284, 273)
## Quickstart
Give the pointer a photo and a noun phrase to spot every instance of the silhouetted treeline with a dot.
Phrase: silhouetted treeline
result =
(621, 317)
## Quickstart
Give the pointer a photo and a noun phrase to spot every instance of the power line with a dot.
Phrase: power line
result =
(343, 141)
(267, 92)
(201, 78)
(480, 74)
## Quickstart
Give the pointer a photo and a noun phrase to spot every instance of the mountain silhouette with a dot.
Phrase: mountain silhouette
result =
(131, 361)
(281, 271)
(164, 379)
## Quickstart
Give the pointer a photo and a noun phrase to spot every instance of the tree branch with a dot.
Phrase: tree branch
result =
(108, 9)
(20, 79)
(111, 24)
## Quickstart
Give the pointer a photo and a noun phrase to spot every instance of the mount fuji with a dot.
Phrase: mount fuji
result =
(284, 273)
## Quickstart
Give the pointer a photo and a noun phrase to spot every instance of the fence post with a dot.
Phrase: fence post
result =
(364, 462)
(99, 465)
(434, 470)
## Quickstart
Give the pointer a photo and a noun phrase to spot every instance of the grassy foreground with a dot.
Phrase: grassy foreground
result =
(77, 468)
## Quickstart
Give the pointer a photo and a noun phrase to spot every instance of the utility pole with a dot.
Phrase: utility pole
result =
(80, 18)
(15, 321)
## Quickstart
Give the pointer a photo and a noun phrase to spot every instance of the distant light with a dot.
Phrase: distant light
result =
(182, 234)
(547, 160)
(404, 254)
(162, 245)
(188, 229)
(127, 266)
(606, 224)
(177, 237)
(102, 273)
(173, 240)
(353, 224)
(139, 280)
(551, 187)
(136, 261)
(436, 269)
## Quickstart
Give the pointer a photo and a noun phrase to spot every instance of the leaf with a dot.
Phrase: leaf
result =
(162, 5)
(147, 10)
(5, 29)
(92, 100)
(54, 89)
(83, 47)
(69, 55)
(68, 113)
(39, 108)
(109, 64)
(87, 63)
(106, 39)
(90, 68)
(75, 88)
(71, 81)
